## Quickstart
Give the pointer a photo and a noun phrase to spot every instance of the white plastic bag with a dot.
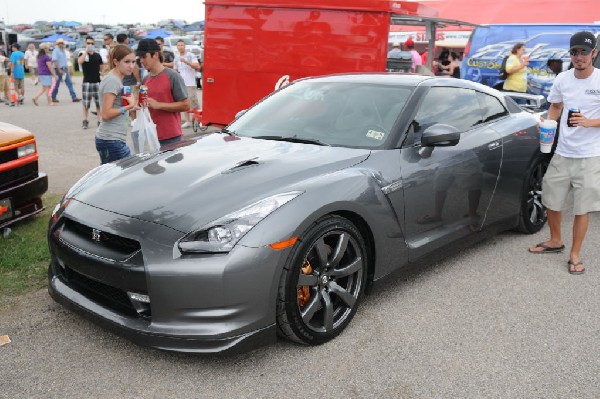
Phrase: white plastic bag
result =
(143, 133)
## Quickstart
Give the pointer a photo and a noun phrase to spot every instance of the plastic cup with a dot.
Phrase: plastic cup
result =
(547, 134)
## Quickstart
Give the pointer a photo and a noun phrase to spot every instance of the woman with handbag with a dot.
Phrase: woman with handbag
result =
(112, 132)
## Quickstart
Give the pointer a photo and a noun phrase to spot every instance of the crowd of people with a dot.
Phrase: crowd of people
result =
(112, 77)
(447, 64)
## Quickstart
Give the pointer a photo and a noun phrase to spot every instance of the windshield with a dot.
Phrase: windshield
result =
(344, 114)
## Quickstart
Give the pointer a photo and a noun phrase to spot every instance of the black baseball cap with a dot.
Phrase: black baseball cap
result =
(147, 46)
(584, 40)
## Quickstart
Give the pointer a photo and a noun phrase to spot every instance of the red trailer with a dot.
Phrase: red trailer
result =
(251, 45)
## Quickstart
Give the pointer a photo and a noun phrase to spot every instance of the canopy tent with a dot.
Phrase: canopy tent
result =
(194, 26)
(70, 24)
(495, 12)
(56, 36)
(153, 34)
(521, 12)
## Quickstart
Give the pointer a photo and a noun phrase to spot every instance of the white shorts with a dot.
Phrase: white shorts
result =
(582, 175)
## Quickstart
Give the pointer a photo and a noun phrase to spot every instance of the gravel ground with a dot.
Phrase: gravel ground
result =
(490, 322)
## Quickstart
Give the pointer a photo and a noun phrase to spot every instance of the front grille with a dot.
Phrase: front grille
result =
(18, 175)
(8, 155)
(101, 243)
(104, 294)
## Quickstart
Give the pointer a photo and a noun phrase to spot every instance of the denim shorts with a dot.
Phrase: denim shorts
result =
(111, 150)
(166, 142)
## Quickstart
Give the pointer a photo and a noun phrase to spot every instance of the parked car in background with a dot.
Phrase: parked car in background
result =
(489, 44)
(34, 33)
(171, 44)
(280, 222)
(197, 37)
(21, 183)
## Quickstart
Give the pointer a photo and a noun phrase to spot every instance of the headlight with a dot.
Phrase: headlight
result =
(25, 150)
(222, 234)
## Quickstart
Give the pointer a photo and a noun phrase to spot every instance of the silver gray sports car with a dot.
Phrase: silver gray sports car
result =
(279, 223)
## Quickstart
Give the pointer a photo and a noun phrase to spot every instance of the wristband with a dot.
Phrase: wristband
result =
(122, 110)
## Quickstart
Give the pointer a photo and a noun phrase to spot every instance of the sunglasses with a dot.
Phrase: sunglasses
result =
(575, 53)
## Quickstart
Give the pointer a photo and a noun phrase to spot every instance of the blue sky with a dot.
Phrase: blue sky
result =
(100, 11)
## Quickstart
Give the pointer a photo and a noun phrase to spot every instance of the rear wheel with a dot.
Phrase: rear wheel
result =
(195, 125)
(322, 283)
(533, 213)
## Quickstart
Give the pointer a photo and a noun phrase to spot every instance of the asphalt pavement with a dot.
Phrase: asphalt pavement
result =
(492, 321)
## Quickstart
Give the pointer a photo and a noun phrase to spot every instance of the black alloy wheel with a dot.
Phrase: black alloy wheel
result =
(323, 282)
(533, 212)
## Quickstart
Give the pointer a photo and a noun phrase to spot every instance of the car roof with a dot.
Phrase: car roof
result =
(402, 79)
(374, 78)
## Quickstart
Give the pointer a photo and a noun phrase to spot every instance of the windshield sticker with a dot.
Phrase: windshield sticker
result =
(374, 134)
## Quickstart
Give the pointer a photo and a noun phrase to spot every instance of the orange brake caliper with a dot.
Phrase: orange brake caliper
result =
(304, 291)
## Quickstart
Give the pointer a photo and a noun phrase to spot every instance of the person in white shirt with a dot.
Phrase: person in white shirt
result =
(31, 60)
(575, 165)
(187, 64)
(396, 51)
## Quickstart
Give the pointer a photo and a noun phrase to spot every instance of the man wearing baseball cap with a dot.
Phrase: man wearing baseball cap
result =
(167, 94)
(59, 59)
(416, 57)
(575, 165)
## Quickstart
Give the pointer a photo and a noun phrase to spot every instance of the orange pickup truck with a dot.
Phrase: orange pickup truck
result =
(21, 184)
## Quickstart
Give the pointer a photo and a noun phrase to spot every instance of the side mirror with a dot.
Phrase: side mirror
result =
(440, 135)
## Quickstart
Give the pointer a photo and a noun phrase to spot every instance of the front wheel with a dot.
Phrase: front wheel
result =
(195, 125)
(533, 212)
(322, 283)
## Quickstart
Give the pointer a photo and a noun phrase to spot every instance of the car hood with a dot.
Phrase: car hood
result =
(198, 181)
(11, 134)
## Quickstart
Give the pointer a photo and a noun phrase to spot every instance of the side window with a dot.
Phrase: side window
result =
(491, 107)
(449, 105)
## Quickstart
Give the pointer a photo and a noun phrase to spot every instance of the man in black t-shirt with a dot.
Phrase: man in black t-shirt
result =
(90, 62)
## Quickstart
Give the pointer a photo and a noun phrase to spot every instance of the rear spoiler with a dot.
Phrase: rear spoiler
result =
(534, 101)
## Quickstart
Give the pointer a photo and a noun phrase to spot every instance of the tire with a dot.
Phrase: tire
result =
(533, 213)
(322, 282)
(195, 125)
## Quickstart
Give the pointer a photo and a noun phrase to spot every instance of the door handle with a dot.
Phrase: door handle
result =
(493, 146)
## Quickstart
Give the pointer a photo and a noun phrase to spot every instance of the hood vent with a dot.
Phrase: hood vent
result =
(242, 165)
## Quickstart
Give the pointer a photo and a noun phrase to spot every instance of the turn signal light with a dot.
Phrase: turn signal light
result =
(284, 244)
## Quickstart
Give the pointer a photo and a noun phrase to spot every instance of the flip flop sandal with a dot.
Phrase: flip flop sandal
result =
(574, 265)
(547, 249)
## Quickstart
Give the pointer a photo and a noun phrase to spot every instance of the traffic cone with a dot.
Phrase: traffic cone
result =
(13, 93)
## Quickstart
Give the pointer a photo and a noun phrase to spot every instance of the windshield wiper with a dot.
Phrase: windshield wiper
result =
(292, 139)
(227, 131)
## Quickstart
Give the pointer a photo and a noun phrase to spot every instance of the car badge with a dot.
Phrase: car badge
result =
(96, 235)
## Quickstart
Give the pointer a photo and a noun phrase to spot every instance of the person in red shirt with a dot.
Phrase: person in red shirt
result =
(167, 94)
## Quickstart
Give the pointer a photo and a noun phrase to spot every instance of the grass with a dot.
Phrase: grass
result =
(24, 255)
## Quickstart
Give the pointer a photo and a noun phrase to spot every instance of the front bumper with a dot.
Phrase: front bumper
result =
(25, 199)
(201, 303)
(140, 331)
